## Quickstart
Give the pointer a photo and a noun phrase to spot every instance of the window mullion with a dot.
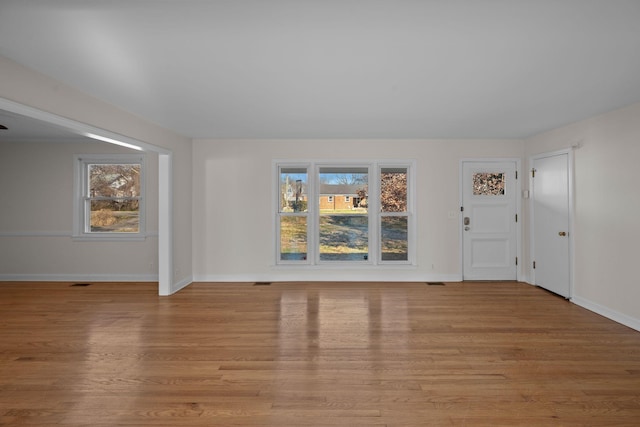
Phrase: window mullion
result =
(311, 214)
(374, 208)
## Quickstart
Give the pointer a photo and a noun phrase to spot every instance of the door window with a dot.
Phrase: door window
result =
(489, 183)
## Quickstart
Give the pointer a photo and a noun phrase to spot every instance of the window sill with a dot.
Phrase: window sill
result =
(338, 266)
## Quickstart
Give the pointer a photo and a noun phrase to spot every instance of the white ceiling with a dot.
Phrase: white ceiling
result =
(26, 129)
(338, 68)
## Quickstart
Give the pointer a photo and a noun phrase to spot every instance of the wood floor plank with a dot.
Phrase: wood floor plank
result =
(311, 354)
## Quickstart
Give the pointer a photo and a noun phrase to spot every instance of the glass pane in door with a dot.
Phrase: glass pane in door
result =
(489, 183)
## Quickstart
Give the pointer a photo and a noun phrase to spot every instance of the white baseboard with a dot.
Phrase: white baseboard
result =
(175, 287)
(330, 276)
(78, 277)
(607, 312)
(524, 279)
(81, 278)
(604, 311)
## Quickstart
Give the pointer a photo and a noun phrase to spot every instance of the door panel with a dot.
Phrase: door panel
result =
(550, 196)
(491, 218)
(489, 224)
(489, 253)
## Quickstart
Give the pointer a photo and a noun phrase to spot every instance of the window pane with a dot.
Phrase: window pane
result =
(343, 190)
(122, 180)
(344, 237)
(293, 238)
(293, 190)
(344, 221)
(393, 190)
(488, 183)
(115, 216)
(394, 243)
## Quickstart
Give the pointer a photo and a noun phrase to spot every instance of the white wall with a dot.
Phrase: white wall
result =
(607, 203)
(232, 210)
(36, 218)
(232, 234)
(24, 86)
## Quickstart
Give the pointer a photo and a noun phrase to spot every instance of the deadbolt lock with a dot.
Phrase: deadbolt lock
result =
(467, 221)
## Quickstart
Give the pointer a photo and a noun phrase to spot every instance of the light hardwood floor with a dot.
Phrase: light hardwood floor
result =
(296, 354)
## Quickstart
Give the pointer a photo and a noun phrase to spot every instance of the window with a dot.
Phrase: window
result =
(109, 197)
(293, 213)
(394, 214)
(343, 232)
(489, 183)
(336, 214)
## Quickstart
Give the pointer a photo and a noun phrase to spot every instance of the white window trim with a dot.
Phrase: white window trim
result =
(313, 214)
(80, 183)
(410, 213)
(369, 166)
(277, 166)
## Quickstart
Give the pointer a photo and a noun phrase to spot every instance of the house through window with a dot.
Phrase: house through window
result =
(335, 213)
(343, 228)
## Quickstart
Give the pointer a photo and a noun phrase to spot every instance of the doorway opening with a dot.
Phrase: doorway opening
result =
(165, 229)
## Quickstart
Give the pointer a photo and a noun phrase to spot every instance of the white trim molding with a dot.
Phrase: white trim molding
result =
(36, 234)
(68, 234)
(178, 286)
(78, 277)
(324, 275)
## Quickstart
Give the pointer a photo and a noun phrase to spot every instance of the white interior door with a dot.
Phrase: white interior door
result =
(489, 220)
(550, 202)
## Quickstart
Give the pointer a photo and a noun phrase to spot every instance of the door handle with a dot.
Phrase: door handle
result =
(562, 233)
(467, 228)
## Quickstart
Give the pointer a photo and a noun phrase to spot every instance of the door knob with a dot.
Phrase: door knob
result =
(562, 233)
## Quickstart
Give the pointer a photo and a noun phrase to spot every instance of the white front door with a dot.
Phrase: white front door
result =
(489, 220)
(550, 202)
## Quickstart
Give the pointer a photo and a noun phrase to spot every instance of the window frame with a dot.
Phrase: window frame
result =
(409, 213)
(357, 164)
(280, 214)
(373, 213)
(81, 215)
